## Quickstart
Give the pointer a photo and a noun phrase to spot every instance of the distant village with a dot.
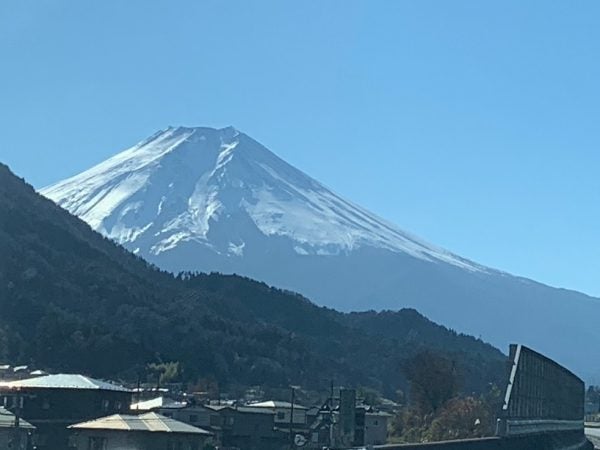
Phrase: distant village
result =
(75, 412)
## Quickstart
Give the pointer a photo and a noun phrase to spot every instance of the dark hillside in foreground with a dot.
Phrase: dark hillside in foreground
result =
(72, 300)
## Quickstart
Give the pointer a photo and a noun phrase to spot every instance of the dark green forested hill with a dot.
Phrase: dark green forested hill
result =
(73, 300)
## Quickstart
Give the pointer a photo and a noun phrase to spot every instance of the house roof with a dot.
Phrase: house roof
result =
(7, 420)
(158, 402)
(65, 381)
(151, 422)
(242, 409)
(276, 404)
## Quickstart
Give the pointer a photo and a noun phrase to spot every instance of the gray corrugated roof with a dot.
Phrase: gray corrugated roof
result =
(65, 381)
(249, 409)
(7, 420)
(159, 402)
(242, 409)
(276, 404)
(145, 422)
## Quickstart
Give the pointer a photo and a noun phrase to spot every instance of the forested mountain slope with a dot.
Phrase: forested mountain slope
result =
(73, 300)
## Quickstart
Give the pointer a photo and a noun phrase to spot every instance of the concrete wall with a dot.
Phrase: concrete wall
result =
(375, 428)
(548, 441)
(539, 389)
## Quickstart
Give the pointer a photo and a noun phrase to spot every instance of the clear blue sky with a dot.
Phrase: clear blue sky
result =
(473, 124)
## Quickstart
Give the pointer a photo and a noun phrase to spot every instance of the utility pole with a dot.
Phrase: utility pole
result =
(17, 424)
(139, 392)
(331, 440)
(292, 418)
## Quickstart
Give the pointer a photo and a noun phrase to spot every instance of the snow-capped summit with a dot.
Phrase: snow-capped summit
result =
(202, 199)
(181, 185)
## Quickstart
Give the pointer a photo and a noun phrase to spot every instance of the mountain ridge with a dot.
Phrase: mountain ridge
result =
(253, 214)
(328, 225)
(72, 300)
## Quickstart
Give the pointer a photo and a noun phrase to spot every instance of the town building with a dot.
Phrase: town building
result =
(149, 431)
(10, 373)
(53, 402)
(347, 424)
(375, 428)
(248, 428)
(245, 427)
(5, 371)
(283, 413)
(15, 434)
(156, 403)
(188, 412)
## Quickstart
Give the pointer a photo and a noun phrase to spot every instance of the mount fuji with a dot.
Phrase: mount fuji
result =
(204, 199)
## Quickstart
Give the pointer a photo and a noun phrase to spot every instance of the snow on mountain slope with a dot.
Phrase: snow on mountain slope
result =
(200, 199)
(176, 186)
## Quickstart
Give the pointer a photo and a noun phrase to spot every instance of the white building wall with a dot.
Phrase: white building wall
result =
(376, 429)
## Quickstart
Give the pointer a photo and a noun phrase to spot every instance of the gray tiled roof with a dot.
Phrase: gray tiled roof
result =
(65, 381)
(145, 422)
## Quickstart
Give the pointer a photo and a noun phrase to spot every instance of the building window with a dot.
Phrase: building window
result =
(45, 403)
(97, 443)
(10, 401)
(280, 415)
(105, 405)
(193, 418)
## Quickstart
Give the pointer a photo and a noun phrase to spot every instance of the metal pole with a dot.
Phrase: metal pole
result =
(292, 419)
(17, 439)
(331, 416)
(139, 392)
